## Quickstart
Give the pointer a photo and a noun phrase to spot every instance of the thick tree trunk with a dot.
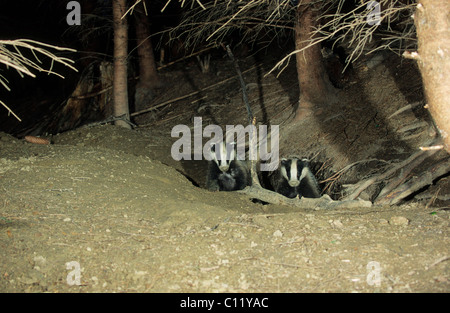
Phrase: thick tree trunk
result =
(315, 87)
(120, 84)
(432, 20)
(148, 75)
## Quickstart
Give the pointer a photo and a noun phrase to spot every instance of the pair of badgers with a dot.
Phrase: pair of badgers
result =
(293, 178)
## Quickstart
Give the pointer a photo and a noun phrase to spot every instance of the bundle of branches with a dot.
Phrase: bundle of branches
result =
(388, 20)
(212, 22)
(351, 25)
(360, 29)
(11, 55)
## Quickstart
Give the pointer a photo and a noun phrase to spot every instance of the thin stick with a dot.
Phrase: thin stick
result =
(243, 86)
(253, 144)
(251, 120)
(9, 110)
(440, 260)
(437, 147)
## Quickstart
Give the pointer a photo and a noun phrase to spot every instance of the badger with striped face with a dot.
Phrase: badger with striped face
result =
(295, 179)
(225, 171)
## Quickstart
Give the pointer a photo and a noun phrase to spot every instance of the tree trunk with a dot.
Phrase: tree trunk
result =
(315, 87)
(432, 20)
(148, 75)
(120, 84)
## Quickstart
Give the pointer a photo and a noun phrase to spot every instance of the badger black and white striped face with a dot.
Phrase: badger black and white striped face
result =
(293, 170)
(223, 154)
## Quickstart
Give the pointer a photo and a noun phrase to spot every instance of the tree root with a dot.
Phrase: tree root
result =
(404, 185)
(393, 196)
(404, 174)
(414, 160)
(324, 202)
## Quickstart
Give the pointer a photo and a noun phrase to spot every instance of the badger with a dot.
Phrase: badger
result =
(225, 171)
(294, 178)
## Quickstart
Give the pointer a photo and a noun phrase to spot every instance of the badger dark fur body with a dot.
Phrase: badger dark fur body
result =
(225, 171)
(295, 179)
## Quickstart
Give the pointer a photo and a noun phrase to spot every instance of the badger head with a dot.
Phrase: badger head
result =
(293, 170)
(223, 154)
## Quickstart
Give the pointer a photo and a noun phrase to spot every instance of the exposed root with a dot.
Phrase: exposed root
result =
(324, 202)
(363, 185)
(413, 127)
(408, 107)
(413, 185)
(402, 177)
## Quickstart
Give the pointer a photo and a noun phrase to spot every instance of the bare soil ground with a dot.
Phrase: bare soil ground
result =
(114, 202)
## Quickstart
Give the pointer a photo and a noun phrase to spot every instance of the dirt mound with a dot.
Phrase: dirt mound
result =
(134, 224)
